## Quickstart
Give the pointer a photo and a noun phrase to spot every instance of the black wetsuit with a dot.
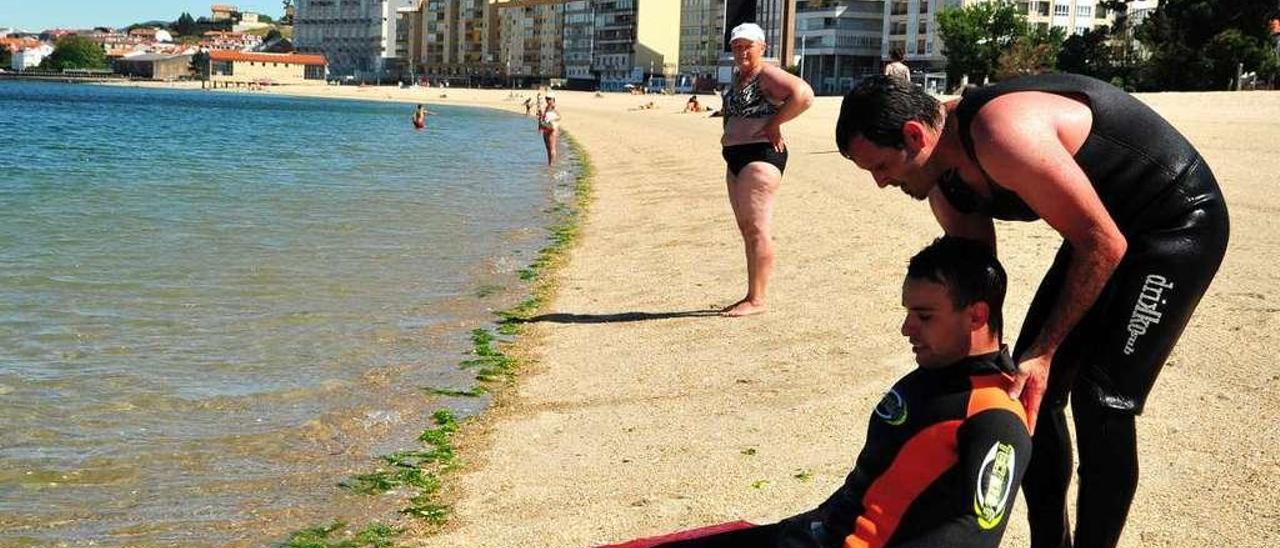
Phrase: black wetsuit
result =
(945, 451)
(1167, 204)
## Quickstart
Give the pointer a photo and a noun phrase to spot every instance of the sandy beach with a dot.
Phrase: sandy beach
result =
(642, 414)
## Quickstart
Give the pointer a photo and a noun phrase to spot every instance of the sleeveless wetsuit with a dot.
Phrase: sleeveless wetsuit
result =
(750, 102)
(1166, 202)
(945, 451)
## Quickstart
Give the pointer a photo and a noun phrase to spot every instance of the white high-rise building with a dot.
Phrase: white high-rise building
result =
(1072, 16)
(838, 42)
(357, 37)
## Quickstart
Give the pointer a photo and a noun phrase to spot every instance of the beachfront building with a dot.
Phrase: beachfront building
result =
(243, 67)
(460, 42)
(1072, 16)
(357, 37)
(14, 44)
(154, 66)
(531, 45)
(838, 42)
(579, 32)
(702, 45)
(634, 43)
(29, 57)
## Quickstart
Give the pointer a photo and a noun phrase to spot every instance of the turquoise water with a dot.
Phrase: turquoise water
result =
(215, 306)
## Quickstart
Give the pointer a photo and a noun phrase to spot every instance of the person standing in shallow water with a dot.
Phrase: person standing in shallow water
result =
(549, 126)
(420, 117)
(761, 98)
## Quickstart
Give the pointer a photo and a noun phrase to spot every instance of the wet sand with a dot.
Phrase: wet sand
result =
(641, 414)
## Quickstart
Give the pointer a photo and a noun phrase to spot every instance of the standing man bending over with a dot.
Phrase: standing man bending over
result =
(1145, 228)
(761, 98)
(947, 446)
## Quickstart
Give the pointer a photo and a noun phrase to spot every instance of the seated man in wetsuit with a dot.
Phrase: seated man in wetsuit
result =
(946, 447)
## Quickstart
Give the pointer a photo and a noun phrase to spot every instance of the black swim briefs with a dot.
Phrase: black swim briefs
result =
(738, 156)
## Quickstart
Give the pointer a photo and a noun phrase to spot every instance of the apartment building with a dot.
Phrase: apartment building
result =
(460, 41)
(702, 36)
(911, 26)
(838, 42)
(1072, 16)
(531, 44)
(357, 37)
(578, 43)
(609, 44)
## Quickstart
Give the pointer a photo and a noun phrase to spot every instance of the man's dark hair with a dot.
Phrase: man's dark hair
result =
(878, 106)
(970, 271)
(896, 54)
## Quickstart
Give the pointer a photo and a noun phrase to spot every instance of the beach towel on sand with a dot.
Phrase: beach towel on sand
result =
(682, 535)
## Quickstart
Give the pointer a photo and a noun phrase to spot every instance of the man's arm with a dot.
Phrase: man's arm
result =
(796, 96)
(954, 223)
(994, 450)
(1020, 149)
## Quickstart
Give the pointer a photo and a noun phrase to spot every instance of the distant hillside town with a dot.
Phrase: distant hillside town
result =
(677, 45)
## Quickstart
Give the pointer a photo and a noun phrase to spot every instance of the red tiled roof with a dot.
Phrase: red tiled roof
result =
(14, 44)
(222, 7)
(293, 58)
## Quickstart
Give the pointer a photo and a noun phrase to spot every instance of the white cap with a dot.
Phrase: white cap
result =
(749, 31)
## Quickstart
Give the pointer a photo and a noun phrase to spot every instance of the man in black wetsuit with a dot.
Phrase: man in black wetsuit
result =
(947, 445)
(1144, 227)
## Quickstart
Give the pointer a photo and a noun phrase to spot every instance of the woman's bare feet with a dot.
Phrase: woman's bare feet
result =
(745, 307)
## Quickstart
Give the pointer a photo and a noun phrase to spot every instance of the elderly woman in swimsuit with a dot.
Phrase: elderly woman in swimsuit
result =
(761, 99)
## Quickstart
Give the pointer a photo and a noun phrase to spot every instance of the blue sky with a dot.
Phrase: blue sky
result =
(37, 15)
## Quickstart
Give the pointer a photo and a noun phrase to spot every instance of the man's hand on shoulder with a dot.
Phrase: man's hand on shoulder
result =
(1030, 384)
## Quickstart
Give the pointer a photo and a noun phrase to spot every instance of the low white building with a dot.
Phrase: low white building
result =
(248, 21)
(27, 58)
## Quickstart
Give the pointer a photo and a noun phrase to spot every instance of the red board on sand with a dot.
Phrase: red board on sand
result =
(682, 535)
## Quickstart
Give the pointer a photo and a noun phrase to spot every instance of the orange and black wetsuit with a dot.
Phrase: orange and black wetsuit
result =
(946, 449)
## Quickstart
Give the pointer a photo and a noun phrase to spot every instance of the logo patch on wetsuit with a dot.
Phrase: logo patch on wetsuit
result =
(892, 408)
(1146, 312)
(995, 482)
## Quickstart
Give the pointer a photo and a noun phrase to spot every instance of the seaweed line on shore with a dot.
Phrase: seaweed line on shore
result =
(418, 475)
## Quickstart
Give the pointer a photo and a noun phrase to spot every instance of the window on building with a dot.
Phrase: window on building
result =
(1084, 11)
(1042, 8)
(1062, 9)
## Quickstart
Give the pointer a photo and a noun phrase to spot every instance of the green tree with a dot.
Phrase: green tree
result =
(1197, 44)
(974, 36)
(1089, 54)
(6, 57)
(75, 52)
(200, 64)
(1034, 53)
(185, 25)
